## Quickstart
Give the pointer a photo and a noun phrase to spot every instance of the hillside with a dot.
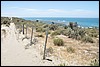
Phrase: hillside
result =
(74, 52)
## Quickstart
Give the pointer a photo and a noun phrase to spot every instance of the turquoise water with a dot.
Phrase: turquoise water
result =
(85, 22)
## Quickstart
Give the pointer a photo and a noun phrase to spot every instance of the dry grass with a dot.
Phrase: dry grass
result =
(72, 50)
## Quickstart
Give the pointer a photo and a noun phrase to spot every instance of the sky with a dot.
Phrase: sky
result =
(80, 9)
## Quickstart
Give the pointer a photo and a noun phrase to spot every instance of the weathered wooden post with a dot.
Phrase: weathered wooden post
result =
(26, 30)
(31, 37)
(45, 44)
(23, 28)
(11, 19)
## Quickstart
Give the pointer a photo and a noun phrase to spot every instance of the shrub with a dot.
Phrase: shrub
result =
(81, 32)
(72, 34)
(39, 35)
(62, 64)
(40, 29)
(58, 42)
(70, 50)
(45, 25)
(78, 37)
(87, 39)
(71, 25)
(93, 34)
(94, 62)
(69, 31)
(64, 32)
(65, 27)
(53, 27)
(76, 33)
(50, 50)
(37, 20)
(57, 32)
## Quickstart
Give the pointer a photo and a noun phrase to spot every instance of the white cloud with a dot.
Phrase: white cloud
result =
(49, 12)
(55, 10)
(21, 8)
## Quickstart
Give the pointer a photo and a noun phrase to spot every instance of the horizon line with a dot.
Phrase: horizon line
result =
(48, 17)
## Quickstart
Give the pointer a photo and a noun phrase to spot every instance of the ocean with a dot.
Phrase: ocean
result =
(84, 22)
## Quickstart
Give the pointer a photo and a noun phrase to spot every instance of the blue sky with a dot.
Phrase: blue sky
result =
(87, 9)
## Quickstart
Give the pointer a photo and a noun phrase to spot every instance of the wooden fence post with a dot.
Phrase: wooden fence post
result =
(31, 37)
(26, 31)
(45, 44)
(23, 28)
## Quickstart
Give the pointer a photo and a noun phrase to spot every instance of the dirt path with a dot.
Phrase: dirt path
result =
(13, 52)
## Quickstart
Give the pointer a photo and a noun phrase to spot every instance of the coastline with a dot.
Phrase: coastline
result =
(65, 20)
(74, 51)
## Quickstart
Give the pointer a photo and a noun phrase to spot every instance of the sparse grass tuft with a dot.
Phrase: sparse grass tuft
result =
(57, 32)
(70, 50)
(94, 62)
(62, 64)
(50, 50)
(87, 39)
(39, 35)
(58, 42)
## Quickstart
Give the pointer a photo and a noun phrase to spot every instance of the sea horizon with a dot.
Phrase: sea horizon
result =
(84, 22)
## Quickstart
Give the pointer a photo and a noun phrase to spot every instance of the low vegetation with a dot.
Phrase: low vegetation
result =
(70, 50)
(39, 35)
(58, 42)
(62, 64)
(94, 62)
(72, 30)
(87, 39)
(49, 50)
(57, 32)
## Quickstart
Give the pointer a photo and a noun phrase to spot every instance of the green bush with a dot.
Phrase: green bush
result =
(40, 29)
(72, 34)
(58, 42)
(93, 34)
(94, 62)
(69, 31)
(78, 37)
(81, 32)
(70, 50)
(65, 27)
(57, 32)
(64, 32)
(45, 25)
(71, 25)
(53, 27)
(87, 39)
(76, 33)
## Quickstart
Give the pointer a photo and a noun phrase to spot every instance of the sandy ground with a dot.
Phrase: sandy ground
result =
(13, 52)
